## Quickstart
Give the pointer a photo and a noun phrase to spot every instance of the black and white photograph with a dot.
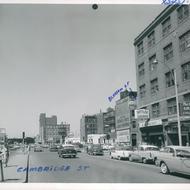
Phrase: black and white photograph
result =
(95, 93)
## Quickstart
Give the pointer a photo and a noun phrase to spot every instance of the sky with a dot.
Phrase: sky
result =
(65, 60)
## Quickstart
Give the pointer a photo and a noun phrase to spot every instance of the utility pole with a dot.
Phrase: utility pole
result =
(177, 104)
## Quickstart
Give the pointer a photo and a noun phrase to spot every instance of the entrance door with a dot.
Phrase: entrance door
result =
(184, 140)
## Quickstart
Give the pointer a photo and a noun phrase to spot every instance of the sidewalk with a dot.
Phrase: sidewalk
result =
(17, 159)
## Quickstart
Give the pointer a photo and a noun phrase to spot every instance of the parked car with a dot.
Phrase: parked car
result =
(144, 154)
(121, 152)
(67, 151)
(53, 148)
(174, 159)
(38, 149)
(77, 148)
(95, 149)
(44, 145)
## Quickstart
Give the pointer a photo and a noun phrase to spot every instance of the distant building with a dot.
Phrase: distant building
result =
(100, 122)
(96, 138)
(88, 125)
(2, 135)
(126, 128)
(50, 131)
(161, 48)
(109, 125)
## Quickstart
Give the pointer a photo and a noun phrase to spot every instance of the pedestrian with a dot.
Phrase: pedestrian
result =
(7, 156)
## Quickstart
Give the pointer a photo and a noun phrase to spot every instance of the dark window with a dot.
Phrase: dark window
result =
(153, 63)
(151, 39)
(186, 97)
(166, 26)
(184, 41)
(168, 52)
(140, 48)
(182, 13)
(185, 71)
(156, 110)
(141, 69)
(172, 108)
(154, 86)
(169, 78)
(142, 90)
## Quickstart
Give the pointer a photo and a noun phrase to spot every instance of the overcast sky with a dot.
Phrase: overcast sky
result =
(65, 60)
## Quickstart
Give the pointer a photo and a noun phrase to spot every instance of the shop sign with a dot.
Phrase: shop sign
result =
(155, 122)
(141, 114)
(186, 108)
(122, 122)
(123, 136)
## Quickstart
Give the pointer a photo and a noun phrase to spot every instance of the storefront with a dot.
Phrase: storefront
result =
(152, 133)
(172, 133)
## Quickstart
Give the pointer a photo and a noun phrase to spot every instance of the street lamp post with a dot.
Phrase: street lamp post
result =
(177, 100)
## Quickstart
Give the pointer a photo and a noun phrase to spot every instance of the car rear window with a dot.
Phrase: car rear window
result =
(68, 147)
(183, 151)
(152, 148)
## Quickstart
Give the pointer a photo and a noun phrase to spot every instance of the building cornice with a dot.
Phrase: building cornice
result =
(161, 17)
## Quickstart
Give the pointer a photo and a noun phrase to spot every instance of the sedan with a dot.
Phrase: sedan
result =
(38, 149)
(144, 154)
(121, 152)
(174, 159)
(67, 151)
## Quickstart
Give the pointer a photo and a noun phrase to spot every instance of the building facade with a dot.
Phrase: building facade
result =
(109, 125)
(2, 135)
(162, 48)
(126, 129)
(88, 125)
(50, 131)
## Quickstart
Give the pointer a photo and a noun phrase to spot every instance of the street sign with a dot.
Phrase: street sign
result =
(142, 114)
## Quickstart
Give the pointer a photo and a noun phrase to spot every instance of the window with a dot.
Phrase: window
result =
(156, 110)
(142, 91)
(151, 39)
(134, 124)
(185, 71)
(166, 26)
(168, 52)
(186, 97)
(172, 108)
(184, 41)
(169, 78)
(182, 13)
(141, 69)
(140, 48)
(152, 63)
(154, 86)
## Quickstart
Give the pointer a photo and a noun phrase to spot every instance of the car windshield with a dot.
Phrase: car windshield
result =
(152, 148)
(125, 148)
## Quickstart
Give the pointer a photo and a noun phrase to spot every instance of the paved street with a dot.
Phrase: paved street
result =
(99, 169)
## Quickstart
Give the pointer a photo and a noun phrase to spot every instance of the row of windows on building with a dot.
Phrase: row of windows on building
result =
(171, 106)
(184, 40)
(168, 55)
(169, 80)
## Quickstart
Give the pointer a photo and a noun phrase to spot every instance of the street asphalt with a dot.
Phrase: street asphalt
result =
(94, 169)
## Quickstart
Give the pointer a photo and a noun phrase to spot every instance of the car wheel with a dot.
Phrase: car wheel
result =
(164, 168)
(130, 159)
(144, 160)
